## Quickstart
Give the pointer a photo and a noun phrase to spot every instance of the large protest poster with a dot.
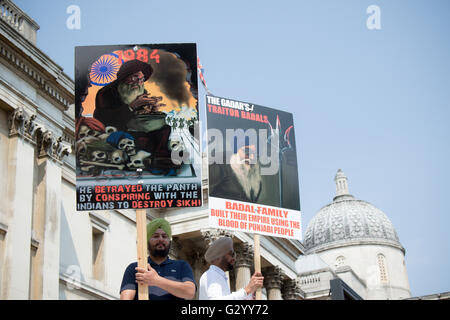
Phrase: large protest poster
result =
(252, 169)
(137, 140)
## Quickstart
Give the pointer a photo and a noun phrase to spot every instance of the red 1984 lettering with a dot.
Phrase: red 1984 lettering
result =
(155, 55)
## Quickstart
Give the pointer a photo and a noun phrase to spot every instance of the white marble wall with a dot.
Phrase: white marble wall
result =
(363, 260)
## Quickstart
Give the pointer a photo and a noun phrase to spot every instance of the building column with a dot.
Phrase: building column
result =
(291, 290)
(19, 208)
(44, 282)
(211, 235)
(273, 281)
(192, 255)
(244, 262)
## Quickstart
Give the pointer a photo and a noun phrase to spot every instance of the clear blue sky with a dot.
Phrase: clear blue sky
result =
(375, 103)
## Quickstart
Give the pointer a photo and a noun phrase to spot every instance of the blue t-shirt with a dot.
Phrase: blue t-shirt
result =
(177, 270)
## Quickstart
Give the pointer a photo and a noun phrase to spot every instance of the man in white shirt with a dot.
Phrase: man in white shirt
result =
(214, 283)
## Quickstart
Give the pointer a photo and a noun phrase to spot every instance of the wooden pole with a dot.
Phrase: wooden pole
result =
(141, 228)
(257, 260)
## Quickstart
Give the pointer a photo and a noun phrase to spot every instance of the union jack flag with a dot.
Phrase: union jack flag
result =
(201, 70)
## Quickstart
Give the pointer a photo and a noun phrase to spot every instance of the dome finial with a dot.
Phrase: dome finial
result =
(341, 184)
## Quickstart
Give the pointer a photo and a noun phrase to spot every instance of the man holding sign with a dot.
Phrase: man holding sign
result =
(214, 283)
(167, 279)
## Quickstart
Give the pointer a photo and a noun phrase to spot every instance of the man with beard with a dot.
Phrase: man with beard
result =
(240, 177)
(166, 279)
(214, 283)
(115, 104)
(126, 105)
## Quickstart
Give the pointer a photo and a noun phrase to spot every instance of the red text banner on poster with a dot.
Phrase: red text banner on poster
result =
(254, 218)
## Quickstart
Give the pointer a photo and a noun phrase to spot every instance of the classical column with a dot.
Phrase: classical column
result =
(210, 235)
(244, 262)
(291, 290)
(197, 261)
(273, 281)
(46, 216)
(18, 206)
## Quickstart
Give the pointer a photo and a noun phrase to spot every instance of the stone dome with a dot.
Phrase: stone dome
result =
(348, 221)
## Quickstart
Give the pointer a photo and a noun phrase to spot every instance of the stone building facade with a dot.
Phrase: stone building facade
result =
(48, 250)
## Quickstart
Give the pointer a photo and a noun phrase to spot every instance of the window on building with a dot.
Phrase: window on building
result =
(381, 260)
(35, 279)
(100, 225)
(98, 259)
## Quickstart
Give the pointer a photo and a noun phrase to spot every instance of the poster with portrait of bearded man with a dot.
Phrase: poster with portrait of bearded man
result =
(252, 168)
(136, 111)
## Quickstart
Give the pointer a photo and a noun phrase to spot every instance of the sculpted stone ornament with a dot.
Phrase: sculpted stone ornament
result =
(37, 128)
(64, 149)
(28, 126)
(20, 123)
(45, 143)
(16, 121)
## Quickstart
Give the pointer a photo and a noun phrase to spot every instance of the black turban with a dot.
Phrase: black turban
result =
(133, 66)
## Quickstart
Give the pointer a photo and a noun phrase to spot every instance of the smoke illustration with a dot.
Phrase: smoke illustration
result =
(170, 75)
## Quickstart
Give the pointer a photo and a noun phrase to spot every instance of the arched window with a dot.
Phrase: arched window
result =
(381, 261)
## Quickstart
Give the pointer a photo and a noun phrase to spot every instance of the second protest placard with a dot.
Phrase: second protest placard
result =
(253, 175)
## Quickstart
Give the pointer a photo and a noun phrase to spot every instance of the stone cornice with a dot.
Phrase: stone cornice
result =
(37, 67)
(36, 77)
(355, 242)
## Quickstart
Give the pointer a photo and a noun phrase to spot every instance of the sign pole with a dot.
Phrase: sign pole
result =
(257, 261)
(141, 228)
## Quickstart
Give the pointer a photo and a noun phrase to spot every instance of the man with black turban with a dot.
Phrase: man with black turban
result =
(126, 105)
(167, 279)
(114, 103)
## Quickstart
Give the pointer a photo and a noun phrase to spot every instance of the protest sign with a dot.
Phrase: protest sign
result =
(137, 140)
(253, 176)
